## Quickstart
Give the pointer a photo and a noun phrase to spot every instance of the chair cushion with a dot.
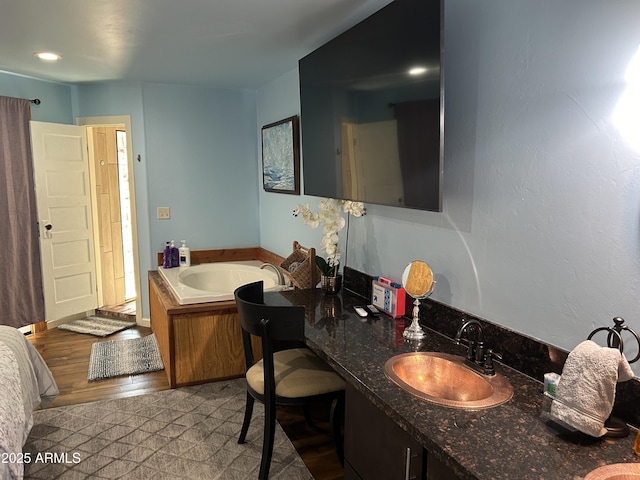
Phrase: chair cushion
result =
(298, 373)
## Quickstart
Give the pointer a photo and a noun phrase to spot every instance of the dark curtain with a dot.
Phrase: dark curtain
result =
(21, 296)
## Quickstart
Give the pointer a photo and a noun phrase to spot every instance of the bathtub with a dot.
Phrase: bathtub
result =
(215, 282)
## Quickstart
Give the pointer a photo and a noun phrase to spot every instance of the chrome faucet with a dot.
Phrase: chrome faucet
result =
(281, 280)
(477, 358)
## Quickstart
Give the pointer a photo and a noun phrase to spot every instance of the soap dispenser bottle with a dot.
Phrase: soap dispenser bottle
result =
(166, 256)
(174, 254)
(185, 254)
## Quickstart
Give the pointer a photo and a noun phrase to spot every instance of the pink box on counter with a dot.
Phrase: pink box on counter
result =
(388, 296)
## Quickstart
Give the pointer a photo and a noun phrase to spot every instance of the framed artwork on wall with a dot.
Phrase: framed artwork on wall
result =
(281, 156)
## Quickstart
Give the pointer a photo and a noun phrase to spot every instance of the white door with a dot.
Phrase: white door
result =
(63, 197)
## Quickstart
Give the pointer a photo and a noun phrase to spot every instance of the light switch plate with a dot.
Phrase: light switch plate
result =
(164, 213)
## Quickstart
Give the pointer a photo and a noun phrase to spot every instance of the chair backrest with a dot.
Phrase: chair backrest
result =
(274, 324)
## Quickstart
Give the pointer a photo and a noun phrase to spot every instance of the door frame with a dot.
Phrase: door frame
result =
(123, 121)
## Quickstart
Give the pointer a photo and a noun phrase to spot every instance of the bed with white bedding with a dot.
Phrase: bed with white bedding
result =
(25, 383)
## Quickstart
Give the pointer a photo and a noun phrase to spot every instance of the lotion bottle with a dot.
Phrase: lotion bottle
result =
(185, 254)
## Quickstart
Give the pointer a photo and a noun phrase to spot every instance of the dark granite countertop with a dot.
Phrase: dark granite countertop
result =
(511, 441)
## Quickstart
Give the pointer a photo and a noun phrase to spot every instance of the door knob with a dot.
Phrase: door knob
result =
(47, 230)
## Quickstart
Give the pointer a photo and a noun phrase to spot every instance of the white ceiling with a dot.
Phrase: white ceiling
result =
(219, 43)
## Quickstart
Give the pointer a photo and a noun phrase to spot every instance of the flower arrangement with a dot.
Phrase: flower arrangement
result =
(330, 215)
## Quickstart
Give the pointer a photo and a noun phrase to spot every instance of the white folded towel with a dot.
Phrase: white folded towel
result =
(587, 388)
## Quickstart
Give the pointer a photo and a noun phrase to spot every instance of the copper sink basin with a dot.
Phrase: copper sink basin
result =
(445, 380)
(615, 471)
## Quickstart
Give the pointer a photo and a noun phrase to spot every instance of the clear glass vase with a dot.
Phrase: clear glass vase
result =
(331, 285)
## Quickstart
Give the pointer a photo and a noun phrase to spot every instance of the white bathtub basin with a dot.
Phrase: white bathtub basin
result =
(216, 282)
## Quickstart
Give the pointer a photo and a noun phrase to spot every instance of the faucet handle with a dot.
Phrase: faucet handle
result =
(471, 350)
(480, 355)
(489, 368)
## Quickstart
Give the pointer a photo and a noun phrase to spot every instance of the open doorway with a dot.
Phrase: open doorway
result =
(115, 230)
(124, 187)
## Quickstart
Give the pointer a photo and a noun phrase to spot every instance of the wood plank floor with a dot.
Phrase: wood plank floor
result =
(67, 354)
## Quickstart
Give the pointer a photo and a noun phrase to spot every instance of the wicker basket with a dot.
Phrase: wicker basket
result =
(300, 267)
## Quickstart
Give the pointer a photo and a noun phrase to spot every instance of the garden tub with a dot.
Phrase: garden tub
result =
(216, 282)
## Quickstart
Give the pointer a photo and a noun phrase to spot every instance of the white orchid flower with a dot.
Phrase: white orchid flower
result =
(330, 215)
(354, 208)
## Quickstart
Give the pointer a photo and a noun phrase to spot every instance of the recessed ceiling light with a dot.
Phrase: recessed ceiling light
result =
(47, 56)
(417, 70)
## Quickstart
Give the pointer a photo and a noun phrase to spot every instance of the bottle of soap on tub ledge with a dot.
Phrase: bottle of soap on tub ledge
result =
(166, 256)
(175, 260)
(185, 254)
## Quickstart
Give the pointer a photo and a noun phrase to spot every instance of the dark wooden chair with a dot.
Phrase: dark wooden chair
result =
(284, 376)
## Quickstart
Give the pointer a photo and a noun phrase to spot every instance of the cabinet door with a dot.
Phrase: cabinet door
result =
(375, 447)
(436, 470)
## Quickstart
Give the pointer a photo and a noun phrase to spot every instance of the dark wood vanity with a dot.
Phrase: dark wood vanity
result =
(512, 440)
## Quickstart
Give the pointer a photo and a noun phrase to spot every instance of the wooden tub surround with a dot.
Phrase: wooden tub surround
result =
(201, 342)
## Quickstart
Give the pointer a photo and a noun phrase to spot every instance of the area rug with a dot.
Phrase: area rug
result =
(98, 326)
(186, 433)
(115, 358)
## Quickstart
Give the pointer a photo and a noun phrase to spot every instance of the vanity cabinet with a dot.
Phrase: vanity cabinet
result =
(376, 447)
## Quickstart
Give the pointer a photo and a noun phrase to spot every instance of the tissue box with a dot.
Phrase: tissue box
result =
(388, 296)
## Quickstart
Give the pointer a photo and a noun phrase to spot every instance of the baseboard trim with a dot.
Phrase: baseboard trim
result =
(144, 322)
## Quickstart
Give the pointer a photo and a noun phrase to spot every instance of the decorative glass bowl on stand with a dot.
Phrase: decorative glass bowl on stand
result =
(417, 280)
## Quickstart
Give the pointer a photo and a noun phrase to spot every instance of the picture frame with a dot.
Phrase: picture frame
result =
(281, 156)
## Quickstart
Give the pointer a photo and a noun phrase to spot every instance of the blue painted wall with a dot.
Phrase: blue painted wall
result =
(56, 103)
(201, 151)
(540, 229)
